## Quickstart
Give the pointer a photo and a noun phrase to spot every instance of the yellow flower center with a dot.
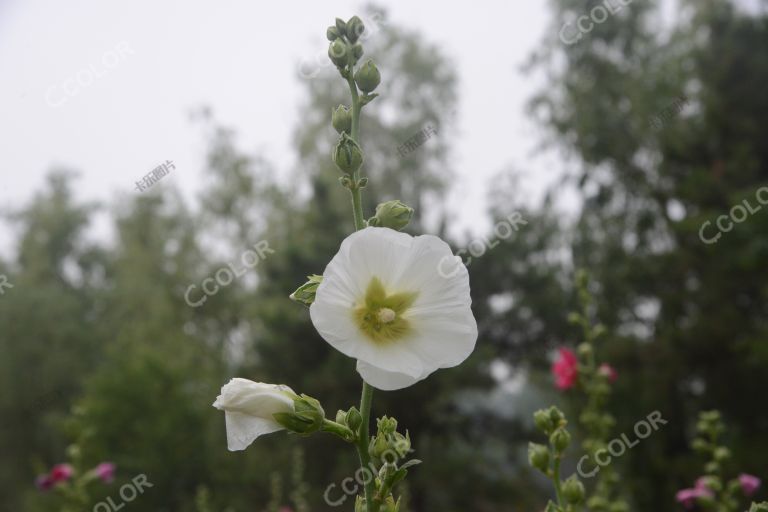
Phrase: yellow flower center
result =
(381, 315)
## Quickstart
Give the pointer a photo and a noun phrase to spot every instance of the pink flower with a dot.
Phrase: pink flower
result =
(688, 497)
(61, 473)
(609, 371)
(749, 484)
(105, 471)
(43, 482)
(565, 369)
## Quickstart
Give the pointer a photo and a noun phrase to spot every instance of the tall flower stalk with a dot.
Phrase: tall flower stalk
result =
(580, 371)
(381, 300)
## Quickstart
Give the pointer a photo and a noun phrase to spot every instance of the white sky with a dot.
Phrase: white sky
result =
(241, 58)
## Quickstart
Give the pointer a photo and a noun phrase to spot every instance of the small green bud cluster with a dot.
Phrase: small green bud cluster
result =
(392, 214)
(759, 507)
(345, 51)
(709, 428)
(389, 445)
(351, 418)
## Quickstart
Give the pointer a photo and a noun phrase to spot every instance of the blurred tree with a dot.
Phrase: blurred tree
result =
(666, 126)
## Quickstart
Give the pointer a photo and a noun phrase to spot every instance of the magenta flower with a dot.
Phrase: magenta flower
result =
(749, 484)
(565, 370)
(61, 473)
(43, 482)
(105, 471)
(609, 371)
(688, 497)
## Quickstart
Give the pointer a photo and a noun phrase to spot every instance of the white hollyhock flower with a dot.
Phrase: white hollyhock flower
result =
(388, 300)
(248, 408)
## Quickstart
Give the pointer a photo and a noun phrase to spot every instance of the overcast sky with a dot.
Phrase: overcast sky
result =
(147, 64)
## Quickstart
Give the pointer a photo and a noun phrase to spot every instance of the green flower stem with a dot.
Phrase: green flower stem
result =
(366, 399)
(357, 203)
(556, 479)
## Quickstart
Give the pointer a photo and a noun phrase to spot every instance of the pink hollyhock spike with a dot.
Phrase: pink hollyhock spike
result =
(105, 471)
(61, 473)
(43, 482)
(749, 484)
(688, 497)
(565, 369)
(609, 371)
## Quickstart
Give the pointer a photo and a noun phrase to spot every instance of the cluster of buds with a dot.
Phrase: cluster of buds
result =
(711, 491)
(389, 445)
(546, 458)
(345, 50)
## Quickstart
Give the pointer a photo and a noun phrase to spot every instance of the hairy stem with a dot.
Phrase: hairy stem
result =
(366, 399)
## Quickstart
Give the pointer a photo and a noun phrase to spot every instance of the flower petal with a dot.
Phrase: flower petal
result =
(243, 429)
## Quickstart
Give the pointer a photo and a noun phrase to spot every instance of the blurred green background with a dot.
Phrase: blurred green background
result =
(97, 344)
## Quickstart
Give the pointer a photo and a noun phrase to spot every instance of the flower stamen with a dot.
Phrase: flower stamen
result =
(386, 315)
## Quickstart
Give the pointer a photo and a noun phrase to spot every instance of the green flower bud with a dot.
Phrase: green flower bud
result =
(390, 505)
(560, 439)
(341, 26)
(543, 421)
(538, 456)
(354, 28)
(332, 33)
(584, 349)
(368, 77)
(597, 503)
(386, 425)
(619, 506)
(401, 443)
(341, 417)
(573, 491)
(357, 52)
(354, 419)
(558, 418)
(700, 445)
(378, 446)
(759, 507)
(306, 292)
(308, 416)
(341, 119)
(392, 214)
(347, 154)
(338, 52)
(722, 453)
